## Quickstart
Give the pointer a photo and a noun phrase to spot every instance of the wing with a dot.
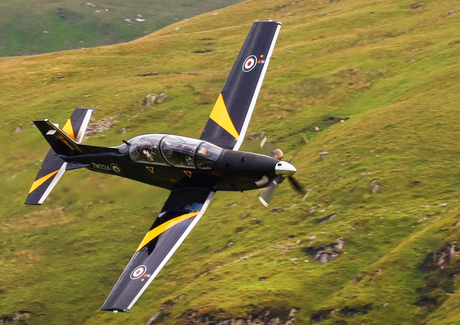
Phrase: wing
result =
(229, 119)
(179, 215)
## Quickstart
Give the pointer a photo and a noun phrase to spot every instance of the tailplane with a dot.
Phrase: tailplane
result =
(65, 142)
(51, 171)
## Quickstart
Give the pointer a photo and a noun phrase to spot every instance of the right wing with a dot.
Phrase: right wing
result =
(229, 119)
(179, 215)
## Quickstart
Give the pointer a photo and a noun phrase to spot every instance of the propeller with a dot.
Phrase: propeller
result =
(267, 194)
(286, 170)
(275, 153)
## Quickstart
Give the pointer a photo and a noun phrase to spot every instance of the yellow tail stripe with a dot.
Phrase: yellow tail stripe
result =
(220, 115)
(152, 234)
(40, 181)
(68, 128)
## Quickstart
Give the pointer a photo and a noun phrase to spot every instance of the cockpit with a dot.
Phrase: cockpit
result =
(173, 150)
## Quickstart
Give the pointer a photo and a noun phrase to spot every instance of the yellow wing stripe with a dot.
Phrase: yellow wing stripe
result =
(40, 181)
(68, 128)
(220, 115)
(152, 234)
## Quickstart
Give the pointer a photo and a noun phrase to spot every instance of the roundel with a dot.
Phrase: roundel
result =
(116, 169)
(138, 272)
(249, 63)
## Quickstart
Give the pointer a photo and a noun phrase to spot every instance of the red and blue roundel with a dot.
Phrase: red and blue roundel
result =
(138, 272)
(249, 63)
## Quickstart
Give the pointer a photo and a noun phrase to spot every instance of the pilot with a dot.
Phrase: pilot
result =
(147, 154)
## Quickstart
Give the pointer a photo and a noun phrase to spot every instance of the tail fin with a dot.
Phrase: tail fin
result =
(76, 125)
(67, 141)
(63, 142)
(60, 141)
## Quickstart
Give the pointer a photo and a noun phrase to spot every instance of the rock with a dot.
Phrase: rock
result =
(450, 13)
(292, 312)
(375, 188)
(17, 318)
(326, 253)
(161, 98)
(99, 127)
(340, 243)
(18, 129)
(417, 5)
(153, 318)
(329, 217)
(322, 155)
(122, 130)
(152, 99)
(149, 100)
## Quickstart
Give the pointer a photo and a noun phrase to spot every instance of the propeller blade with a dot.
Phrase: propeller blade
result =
(296, 185)
(275, 153)
(267, 194)
(266, 145)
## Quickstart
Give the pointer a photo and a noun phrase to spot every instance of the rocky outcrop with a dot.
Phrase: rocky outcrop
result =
(266, 317)
(152, 99)
(324, 254)
(18, 318)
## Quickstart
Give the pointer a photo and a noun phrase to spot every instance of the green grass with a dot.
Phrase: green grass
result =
(389, 71)
(33, 27)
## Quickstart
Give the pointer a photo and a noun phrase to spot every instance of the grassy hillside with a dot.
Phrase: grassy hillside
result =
(40, 26)
(383, 207)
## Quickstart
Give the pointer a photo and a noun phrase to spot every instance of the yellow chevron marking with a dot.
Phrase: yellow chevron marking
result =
(40, 181)
(68, 128)
(155, 232)
(220, 115)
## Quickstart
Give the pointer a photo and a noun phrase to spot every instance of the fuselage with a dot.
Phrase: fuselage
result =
(172, 162)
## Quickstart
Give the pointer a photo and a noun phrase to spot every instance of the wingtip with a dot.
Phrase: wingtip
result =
(115, 310)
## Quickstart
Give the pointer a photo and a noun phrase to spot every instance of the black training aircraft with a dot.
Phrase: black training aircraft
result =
(192, 169)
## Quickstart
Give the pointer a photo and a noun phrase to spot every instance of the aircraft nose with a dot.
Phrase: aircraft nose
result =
(285, 169)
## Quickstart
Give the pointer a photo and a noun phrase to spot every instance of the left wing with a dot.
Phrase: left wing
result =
(229, 119)
(179, 215)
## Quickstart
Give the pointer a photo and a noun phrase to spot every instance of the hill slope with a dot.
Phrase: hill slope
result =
(41, 26)
(373, 243)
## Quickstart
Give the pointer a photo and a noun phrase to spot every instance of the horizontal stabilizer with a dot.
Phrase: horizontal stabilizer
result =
(51, 171)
